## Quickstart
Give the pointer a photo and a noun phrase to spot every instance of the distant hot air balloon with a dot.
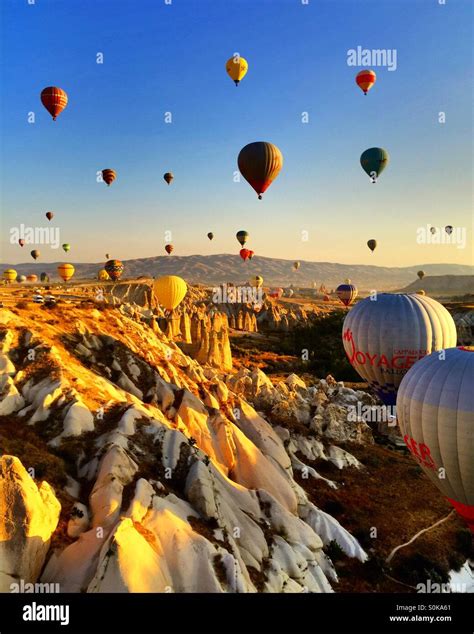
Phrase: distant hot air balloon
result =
(169, 290)
(251, 254)
(385, 337)
(21, 242)
(346, 293)
(114, 269)
(102, 275)
(244, 254)
(449, 229)
(435, 411)
(276, 293)
(365, 80)
(168, 177)
(260, 163)
(296, 265)
(433, 230)
(420, 292)
(169, 248)
(290, 292)
(372, 244)
(108, 176)
(32, 278)
(257, 281)
(210, 235)
(107, 256)
(236, 68)
(10, 275)
(66, 247)
(374, 161)
(35, 254)
(44, 277)
(21, 278)
(66, 271)
(421, 274)
(326, 298)
(242, 237)
(49, 215)
(54, 100)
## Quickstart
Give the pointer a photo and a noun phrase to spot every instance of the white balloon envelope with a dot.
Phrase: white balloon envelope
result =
(435, 411)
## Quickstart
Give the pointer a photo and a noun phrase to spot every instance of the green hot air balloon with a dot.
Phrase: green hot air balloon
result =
(66, 247)
(372, 244)
(374, 161)
(242, 237)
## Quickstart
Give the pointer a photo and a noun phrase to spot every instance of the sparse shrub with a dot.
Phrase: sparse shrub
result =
(22, 304)
(334, 551)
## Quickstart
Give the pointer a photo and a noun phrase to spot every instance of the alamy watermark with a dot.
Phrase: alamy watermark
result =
(372, 57)
(441, 235)
(372, 414)
(229, 294)
(36, 235)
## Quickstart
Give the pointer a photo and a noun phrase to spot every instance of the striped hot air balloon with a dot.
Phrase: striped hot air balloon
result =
(108, 176)
(54, 99)
(260, 163)
(170, 290)
(114, 269)
(346, 293)
(385, 335)
(435, 411)
(365, 80)
(66, 271)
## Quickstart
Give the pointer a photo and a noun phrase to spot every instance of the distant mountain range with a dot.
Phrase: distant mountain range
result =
(448, 285)
(215, 269)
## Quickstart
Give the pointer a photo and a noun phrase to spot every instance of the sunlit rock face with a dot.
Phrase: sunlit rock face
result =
(28, 518)
(180, 473)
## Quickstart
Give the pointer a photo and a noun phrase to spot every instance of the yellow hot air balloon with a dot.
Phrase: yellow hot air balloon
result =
(236, 68)
(257, 281)
(9, 275)
(102, 275)
(66, 271)
(170, 290)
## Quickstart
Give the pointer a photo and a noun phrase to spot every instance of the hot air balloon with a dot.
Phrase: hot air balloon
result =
(236, 68)
(433, 230)
(372, 244)
(421, 274)
(9, 275)
(169, 291)
(346, 293)
(102, 275)
(54, 100)
(66, 247)
(107, 256)
(168, 177)
(251, 254)
(385, 336)
(66, 271)
(290, 292)
(420, 292)
(49, 215)
(449, 229)
(44, 277)
(114, 269)
(108, 176)
(242, 237)
(210, 235)
(31, 278)
(276, 293)
(260, 163)
(435, 411)
(21, 278)
(326, 298)
(21, 242)
(35, 254)
(244, 254)
(374, 161)
(169, 248)
(257, 281)
(296, 265)
(365, 80)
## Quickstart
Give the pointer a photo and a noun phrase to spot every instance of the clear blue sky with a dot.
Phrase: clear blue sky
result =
(160, 58)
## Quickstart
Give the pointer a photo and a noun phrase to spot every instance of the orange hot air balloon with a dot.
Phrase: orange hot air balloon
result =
(244, 254)
(251, 254)
(169, 248)
(109, 176)
(365, 80)
(66, 271)
(21, 242)
(49, 215)
(54, 100)
(31, 278)
(260, 163)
